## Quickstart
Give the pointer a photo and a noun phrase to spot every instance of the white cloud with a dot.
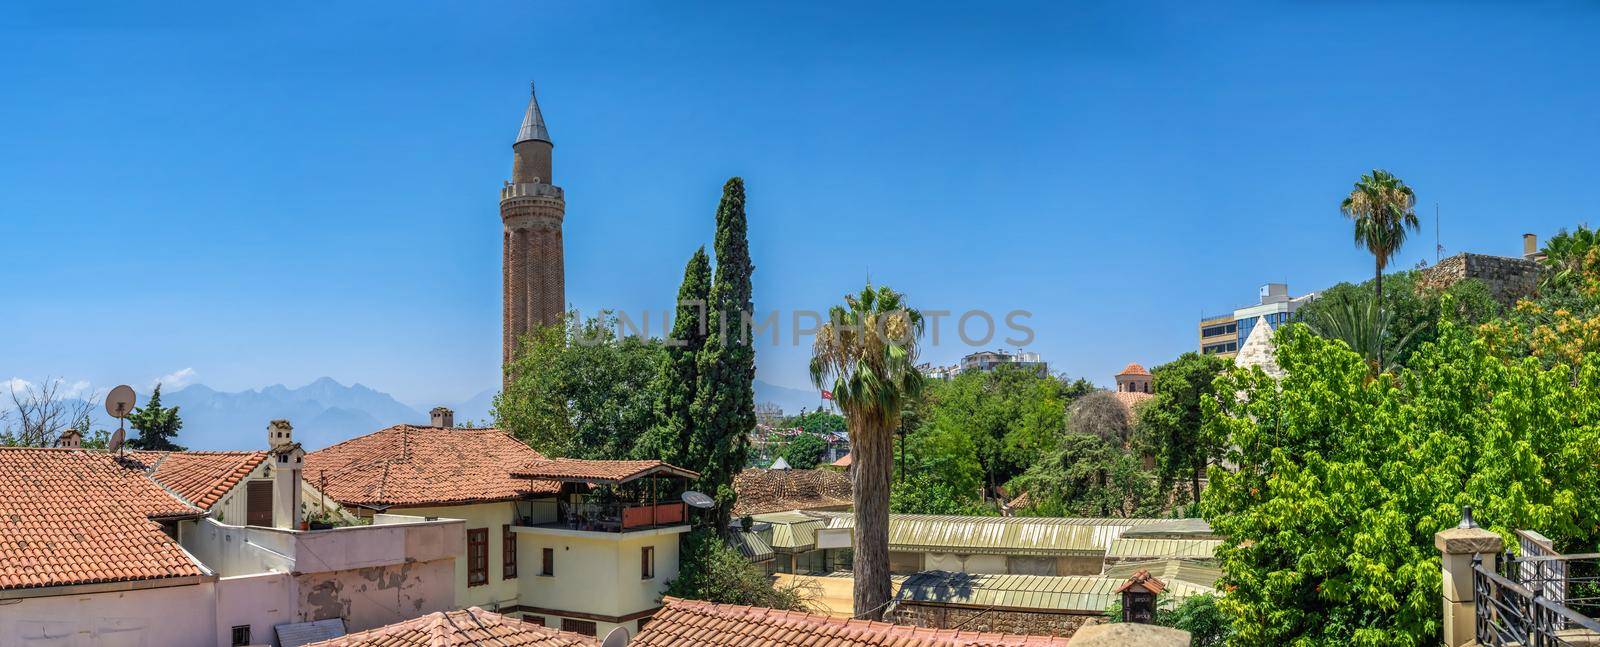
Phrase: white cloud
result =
(15, 384)
(176, 379)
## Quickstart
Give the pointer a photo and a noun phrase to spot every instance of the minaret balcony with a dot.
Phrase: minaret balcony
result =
(530, 190)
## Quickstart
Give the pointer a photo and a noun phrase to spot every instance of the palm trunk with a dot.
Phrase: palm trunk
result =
(1378, 299)
(874, 459)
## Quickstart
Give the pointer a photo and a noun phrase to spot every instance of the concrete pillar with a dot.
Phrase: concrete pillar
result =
(1457, 546)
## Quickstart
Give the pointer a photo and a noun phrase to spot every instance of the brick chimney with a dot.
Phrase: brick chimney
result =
(443, 417)
(1530, 246)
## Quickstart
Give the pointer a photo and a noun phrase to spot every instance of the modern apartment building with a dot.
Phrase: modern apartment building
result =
(1225, 334)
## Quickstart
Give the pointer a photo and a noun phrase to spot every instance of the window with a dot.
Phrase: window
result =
(477, 556)
(508, 553)
(241, 635)
(549, 565)
(647, 562)
(578, 626)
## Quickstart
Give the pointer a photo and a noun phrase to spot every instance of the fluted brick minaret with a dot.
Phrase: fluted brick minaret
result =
(531, 208)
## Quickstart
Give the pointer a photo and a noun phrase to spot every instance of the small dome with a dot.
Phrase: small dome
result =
(1133, 368)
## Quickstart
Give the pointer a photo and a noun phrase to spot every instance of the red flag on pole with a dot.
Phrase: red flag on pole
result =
(827, 395)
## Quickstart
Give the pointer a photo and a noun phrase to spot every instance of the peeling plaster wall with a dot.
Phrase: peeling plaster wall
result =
(375, 596)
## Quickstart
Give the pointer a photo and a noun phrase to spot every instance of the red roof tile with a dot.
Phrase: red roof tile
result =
(845, 460)
(472, 626)
(761, 491)
(573, 469)
(406, 466)
(1131, 399)
(200, 477)
(72, 516)
(1133, 368)
(691, 622)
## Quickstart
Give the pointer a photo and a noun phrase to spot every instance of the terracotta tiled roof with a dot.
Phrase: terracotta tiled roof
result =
(472, 626)
(1133, 368)
(419, 466)
(70, 516)
(761, 491)
(1130, 399)
(845, 460)
(200, 478)
(691, 622)
(573, 469)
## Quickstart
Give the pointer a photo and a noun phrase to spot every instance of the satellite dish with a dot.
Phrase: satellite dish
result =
(698, 500)
(120, 401)
(616, 638)
(116, 441)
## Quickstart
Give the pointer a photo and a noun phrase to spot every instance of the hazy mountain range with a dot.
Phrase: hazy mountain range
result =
(325, 412)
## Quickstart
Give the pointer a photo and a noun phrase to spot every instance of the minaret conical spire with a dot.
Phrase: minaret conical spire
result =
(533, 120)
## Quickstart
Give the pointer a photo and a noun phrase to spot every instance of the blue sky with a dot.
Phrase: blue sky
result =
(271, 192)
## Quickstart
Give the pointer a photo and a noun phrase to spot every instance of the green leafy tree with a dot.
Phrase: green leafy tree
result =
(866, 352)
(1013, 416)
(157, 425)
(679, 376)
(591, 398)
(724, 409)
(1343, 480)
(819, 423)
(942, 475)
(1086, 475)
(1170, 423)
(709, 569)
(1383, 210)
(805, 451)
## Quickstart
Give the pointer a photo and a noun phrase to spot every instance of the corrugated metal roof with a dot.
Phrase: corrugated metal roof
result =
(295, 634)
(1169, 571)
(1083, 594)
(1173, 529)
(791, 531)
(1164, 548)
(751, 545)
(998, 535)
(1071, 593)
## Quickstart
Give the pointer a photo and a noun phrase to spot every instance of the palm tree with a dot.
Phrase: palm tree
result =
(1382, 207)
(867, 353)
(1361, 322)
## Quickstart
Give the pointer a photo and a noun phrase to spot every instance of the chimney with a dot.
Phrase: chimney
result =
(443, 417)
(279, 433)
(285, 457)
(71, 438)
(1530, 246)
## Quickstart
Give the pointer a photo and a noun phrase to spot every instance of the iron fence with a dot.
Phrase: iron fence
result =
(1538, 599)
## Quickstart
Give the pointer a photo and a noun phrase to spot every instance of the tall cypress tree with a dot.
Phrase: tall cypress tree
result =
(724, 407)
(669, 438)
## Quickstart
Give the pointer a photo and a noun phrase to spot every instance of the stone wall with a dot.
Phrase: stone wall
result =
(939, 616)
(1508, 279)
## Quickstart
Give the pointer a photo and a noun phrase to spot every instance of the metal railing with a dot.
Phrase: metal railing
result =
(1537, 600)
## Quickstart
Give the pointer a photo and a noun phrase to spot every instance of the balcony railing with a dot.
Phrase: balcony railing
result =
(1539, 599)
(617, 517)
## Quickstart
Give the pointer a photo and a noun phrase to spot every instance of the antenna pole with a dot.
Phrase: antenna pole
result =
(1437, 247)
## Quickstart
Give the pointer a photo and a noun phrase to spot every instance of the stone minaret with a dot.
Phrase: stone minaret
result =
(532, 208)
